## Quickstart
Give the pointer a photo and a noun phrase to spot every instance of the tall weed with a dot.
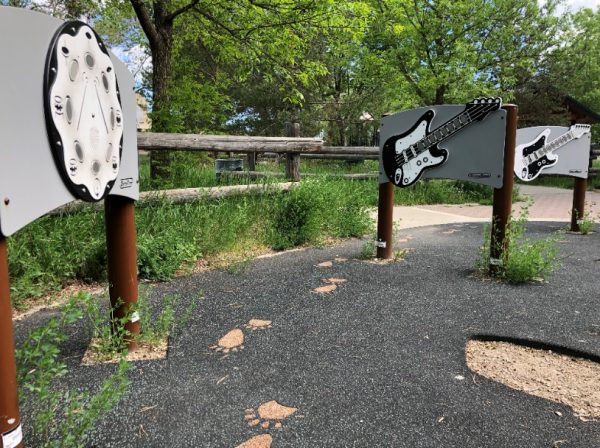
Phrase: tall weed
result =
(525, 259)
(61, 417)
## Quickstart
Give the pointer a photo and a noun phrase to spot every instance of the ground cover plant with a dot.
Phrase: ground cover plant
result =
(108, 336)
(61, 417)
(526, 259)
(173, 237)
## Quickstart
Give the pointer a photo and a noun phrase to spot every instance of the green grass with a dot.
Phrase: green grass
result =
(55, 250)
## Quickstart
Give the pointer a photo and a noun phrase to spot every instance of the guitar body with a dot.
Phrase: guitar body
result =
(407, 173)
(527, 170)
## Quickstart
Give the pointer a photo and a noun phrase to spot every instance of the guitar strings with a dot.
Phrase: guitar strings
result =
(481, 111)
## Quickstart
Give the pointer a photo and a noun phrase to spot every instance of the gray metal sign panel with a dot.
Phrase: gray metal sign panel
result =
(30, 185)
(475, 153)
(570, 158)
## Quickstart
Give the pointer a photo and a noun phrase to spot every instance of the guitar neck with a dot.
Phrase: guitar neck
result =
(444, 132)
(558, 142)
(454, 125)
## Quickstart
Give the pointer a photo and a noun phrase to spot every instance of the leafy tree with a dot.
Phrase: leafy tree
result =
(457, 49)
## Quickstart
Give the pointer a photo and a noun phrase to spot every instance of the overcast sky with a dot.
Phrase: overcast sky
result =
(574, 5)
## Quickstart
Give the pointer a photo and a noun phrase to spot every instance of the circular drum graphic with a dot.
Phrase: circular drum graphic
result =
(83, 111)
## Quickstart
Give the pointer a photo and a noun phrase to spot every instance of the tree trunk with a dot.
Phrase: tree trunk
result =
(440, 92)
(161, 61)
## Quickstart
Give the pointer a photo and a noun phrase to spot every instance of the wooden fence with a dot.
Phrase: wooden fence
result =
(292, 147)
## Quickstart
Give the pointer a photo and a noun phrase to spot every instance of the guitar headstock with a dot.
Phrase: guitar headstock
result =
(480, 107)
(578, 130)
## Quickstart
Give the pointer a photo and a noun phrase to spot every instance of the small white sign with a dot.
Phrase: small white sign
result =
(381, 244)
(13, 438)
(135, 316)
(496, 261)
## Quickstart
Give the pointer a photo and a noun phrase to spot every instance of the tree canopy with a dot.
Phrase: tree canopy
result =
(248, 66)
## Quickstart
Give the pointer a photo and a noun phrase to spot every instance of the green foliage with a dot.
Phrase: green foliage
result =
(316, 209)
(296, 218)
(367, 251)
(159, 324)
(62, 418)
(107, 331)
(53, 250)
(586, 223)
(525, 259)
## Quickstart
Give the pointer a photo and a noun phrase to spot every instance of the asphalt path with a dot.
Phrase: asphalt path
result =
(379, 362)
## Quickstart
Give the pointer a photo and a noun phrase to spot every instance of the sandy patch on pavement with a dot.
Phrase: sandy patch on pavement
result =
(262, 441)
(268, 413)
(564, 379)
(144, 352)
(231, 342)
(258, 324)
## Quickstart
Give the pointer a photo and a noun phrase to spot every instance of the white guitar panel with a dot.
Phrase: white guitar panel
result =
(521, 163)
(474, 154)
(573, 157)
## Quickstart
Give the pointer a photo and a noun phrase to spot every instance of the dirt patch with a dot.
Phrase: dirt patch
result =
(231, 342)
(269, 414)
(564, 379)
(258, 324)
(262, 441)
(145, 352)
(325, 289)
(335, 280)
(325, 264)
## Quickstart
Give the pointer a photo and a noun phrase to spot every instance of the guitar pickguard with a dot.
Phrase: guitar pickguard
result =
(407, 173)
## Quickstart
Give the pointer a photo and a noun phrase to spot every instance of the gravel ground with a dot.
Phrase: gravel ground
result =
(380, 361)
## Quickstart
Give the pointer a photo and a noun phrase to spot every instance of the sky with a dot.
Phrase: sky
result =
(574, 5)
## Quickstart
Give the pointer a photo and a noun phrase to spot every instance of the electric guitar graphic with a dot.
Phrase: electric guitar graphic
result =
(405, 156)
(533, 157)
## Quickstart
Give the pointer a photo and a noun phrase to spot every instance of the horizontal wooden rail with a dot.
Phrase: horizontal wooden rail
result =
(151, 141)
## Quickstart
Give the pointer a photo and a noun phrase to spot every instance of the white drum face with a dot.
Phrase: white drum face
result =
(83, 111)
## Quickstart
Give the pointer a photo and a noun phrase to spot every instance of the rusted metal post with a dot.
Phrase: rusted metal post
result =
(385, 220)
(292, 160)
(122, 262)
(502, 207)
(10, 420)
(579, 189)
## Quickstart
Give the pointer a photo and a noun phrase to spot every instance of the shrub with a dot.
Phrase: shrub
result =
(525, 259)
(295, 217)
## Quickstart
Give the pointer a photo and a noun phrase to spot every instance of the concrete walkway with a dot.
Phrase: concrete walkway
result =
(549, 204)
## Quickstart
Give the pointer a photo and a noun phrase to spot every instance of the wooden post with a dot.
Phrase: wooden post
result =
(292, 160)
(385, 221)
(119, 213)
(579, 189)
(10, 420)
(502, 207)
(251, 161)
